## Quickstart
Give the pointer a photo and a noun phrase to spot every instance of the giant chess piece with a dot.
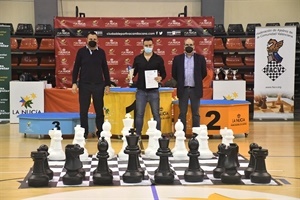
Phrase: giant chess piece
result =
(75, 174)
(231, 165)
(221, 158)
(194, 173)
(150, 151)
(227, 136)
(51, 135)
(251, 164)
(57, 152)
(107, 135)
(38, 178)
(260, 174)
(179, 151)
(205, 152)
(48, 171)
(164, 174)
(127, 125)
(80, 140)
(133, 172)
(102, 175)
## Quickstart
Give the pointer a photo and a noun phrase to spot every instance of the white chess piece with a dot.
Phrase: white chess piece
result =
(51, 135)
(222, 133)
(152, 154)
(205, 152)
(79, 139)
(228, 137)
(151, 149)
(179, 151)
(128, 123)
(57, 152)
(107, 135)
(198, 130)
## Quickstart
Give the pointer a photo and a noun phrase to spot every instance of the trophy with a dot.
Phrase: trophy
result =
(226, 72)
(217, 72)
(234, 72)
(130, 75)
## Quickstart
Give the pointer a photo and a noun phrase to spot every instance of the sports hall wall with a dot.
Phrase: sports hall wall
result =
(236, 11)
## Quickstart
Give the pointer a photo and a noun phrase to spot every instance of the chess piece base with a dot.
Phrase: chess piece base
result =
(75, 179)
(38, 180)
(231, 179)
(193, 176)
(49, 173)
(248, 171)
(132, 177)
(260, 177)
(217, 172)
(102, 178)
(164, 177)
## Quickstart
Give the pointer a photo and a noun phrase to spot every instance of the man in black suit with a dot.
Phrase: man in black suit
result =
(189, 69)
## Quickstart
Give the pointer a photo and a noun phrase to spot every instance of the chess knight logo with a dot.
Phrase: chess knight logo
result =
(274, 68)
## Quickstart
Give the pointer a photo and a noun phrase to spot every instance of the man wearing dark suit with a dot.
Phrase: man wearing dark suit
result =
(189, 69)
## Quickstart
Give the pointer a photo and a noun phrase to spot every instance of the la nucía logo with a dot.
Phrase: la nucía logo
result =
(27, 100)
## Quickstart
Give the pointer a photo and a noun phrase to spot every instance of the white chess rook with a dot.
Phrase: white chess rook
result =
(57, 152)
(179, 151)
(106, 133)
(80, 140)
(127, 125)
(150, 151)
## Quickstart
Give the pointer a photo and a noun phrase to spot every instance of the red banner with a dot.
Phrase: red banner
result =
(122, 40)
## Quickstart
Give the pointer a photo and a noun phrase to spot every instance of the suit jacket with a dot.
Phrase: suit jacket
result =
(200, 73)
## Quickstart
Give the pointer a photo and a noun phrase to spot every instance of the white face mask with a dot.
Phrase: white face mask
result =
(148, 49)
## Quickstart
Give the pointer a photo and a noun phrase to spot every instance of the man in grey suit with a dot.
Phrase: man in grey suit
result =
(189, 69)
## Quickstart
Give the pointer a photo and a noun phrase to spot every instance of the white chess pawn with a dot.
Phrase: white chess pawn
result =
(57, 152)
(179, 151)
(228, 137)
(152, 154)
(152, 133)
(128, 123)
(51, 135)
(79, 139)
(107, 135)
(205, 152)
(223, 131)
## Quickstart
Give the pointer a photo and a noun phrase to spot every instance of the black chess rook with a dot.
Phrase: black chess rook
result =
(164, 174)
(75, 174)
(48, 171)
(221, 158)
(251, 164)
(194, 173)
(231, 165)
(134, 173)
(38, 177)
(260, 174)
(102, 174)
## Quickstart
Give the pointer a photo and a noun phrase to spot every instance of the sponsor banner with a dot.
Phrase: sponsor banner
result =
(274, 72)
(5, 71)
(26, 97)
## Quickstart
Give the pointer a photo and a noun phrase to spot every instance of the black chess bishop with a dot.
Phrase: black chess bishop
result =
(194, 173)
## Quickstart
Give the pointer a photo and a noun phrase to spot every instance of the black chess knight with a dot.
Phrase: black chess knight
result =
(194, 173)
(48, 171)
(164, 174)
(102, 175)
(231, 165)
(38, 178)
(134, 173)
(75, 174)
(260, 174)
(251, 164)
(221, 158)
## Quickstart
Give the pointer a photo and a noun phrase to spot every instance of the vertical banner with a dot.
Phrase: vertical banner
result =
(274, 72)
(5, 72)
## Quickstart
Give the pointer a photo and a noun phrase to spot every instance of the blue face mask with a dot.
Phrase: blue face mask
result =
(148, 49)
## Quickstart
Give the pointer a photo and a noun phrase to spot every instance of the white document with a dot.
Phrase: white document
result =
(150, 76)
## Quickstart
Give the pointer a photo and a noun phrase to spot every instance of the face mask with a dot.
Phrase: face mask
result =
(92, 44)
(148, 49)
(189, 49)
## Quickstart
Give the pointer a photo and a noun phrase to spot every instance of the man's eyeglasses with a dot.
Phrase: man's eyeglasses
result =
(188, 45)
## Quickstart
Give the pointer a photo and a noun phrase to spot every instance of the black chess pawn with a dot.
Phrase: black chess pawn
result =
(251, 164)
(281, 109)
(38, 178)
(102, 175)
(231, 165)
(221, 158)
(164, 174)
(133, 173)
(75, 174)
(260, 174)
(264, 102)
(194, 173)
(48, 171)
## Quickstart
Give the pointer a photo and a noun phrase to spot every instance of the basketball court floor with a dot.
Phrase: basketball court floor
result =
(282, 139)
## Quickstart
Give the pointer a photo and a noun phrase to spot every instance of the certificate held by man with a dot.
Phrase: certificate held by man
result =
(150, 76)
